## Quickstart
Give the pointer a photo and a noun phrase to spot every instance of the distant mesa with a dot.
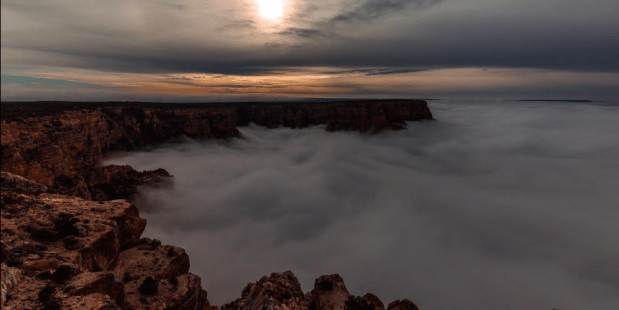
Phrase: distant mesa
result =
(556, 100)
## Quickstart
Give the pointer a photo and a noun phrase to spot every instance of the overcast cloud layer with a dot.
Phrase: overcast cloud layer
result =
(230, 37)
(496, 205)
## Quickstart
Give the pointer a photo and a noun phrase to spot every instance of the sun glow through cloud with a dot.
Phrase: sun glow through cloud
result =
(270, 9)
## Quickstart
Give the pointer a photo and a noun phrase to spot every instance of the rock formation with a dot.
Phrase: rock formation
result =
(65, 252)
(282, 291)
(60, 145)
(69, 242)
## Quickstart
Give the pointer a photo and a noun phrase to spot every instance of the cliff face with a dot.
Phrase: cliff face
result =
(362, 116)
(62, 250)
(61, 149)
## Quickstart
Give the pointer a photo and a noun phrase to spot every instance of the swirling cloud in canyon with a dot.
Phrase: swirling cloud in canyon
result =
(495, 205)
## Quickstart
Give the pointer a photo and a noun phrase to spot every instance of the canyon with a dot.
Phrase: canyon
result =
(71, 238)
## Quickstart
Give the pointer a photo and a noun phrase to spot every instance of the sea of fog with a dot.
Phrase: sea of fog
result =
(495, 205)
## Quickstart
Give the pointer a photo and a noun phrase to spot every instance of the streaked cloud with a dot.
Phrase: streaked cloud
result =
(351, 83)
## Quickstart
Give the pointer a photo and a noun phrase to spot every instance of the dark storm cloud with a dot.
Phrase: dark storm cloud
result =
(493, 206)
(196, 36)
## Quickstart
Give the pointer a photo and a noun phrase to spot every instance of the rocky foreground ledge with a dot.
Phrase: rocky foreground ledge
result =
(68, 243)
(64, 252)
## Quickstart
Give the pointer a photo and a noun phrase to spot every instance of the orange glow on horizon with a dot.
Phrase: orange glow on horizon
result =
(320, 82)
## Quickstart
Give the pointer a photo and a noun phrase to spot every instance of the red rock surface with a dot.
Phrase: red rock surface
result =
(61, 147)
(329, 293)
(65, 252)
(282, 291)
(279, 291)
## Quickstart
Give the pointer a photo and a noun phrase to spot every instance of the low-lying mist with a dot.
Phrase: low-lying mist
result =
(496, 205)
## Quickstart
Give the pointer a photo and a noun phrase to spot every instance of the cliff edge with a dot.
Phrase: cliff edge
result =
(71, 241)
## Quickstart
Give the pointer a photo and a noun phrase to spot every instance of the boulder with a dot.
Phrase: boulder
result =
(404, 304)
(329, 293)
(279, 291)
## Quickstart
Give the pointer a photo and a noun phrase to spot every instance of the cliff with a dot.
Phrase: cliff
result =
(66, 241)
(60, 145)
(63, 252)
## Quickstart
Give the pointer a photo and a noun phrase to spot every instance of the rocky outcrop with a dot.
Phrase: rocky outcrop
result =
(118, 182)
(67, 244)
(282, 291)
(65, 252)
(61, 145)
(18, 184)
(62, 151)
(404, 304)
(279, 291)
(329, 293)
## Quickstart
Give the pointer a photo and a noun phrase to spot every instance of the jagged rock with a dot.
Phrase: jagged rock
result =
(369, 301)
(96, 231)
(115, 182)
(73, 248)
(73, 185)
(162, 262)
(404, 304)
(282, 291)
(10, 278)
(329, 293)
(19, 184)
(96, 301)
(183, 293)
(98, 282)
(279, 291)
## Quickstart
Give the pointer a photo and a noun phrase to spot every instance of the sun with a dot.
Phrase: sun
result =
(270, 9)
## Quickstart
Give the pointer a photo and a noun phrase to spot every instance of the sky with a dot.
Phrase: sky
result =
(493, 205)
(201, 50)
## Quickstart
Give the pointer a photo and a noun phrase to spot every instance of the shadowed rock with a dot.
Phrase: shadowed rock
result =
(68, 253)
(62, 146)
(282, 291)
(19, 184)
(329, 293)
(404, 304)
(279, 291)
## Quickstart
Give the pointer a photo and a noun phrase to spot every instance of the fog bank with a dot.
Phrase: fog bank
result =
(496, 205)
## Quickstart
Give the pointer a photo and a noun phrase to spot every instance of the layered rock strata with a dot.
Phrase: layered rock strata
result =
(60, 145)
